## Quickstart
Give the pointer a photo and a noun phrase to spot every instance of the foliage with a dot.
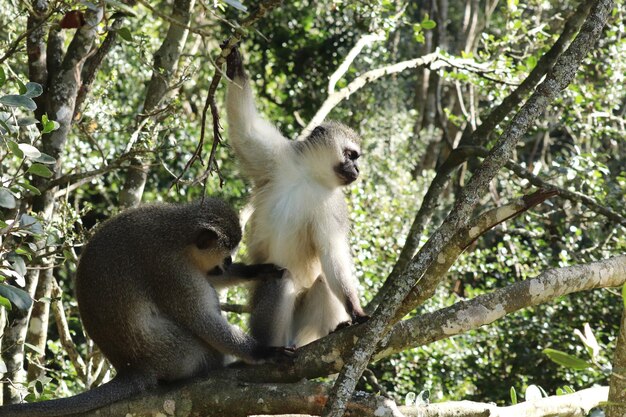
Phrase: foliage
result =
(578, 145)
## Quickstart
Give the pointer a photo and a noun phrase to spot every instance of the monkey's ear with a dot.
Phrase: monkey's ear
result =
(318, 131)
(206, 239)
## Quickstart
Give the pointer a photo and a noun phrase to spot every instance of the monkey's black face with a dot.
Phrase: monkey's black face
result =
(348, 169)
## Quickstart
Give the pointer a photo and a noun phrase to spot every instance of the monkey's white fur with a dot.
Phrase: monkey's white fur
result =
(299, 222)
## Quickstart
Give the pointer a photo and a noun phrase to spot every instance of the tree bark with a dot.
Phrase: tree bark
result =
(60, 98)
(557, 80)
(165, 63)
(617, 395)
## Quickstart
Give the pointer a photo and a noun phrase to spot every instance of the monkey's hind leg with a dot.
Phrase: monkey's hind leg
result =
(318, 313)
(272, 311)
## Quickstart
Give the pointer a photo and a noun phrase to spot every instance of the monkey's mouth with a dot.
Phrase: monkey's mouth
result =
(348, 178)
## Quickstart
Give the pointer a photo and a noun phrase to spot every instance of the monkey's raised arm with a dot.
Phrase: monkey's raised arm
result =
(255, 140)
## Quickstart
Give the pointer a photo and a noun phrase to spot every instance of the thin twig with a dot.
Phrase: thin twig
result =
(227, 47)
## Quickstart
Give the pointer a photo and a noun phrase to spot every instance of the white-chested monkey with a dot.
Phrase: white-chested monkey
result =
(299, 222)
(145, 291)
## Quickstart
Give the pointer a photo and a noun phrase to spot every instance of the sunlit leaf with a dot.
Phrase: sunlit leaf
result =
(237, 5)
(4, 302)
(18, 297)
(13, 100)
(3, 77)
(48, 125)
(428, 24)
(30, 188)
(7, 200)
(513, 395)
(15, 149)
(44, 159)
(40, 170)
(125, 34)
(33, 89)
(26, 121)
(29, 150)
(565, 359)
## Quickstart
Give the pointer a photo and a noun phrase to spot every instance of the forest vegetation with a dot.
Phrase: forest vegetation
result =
(488, 227)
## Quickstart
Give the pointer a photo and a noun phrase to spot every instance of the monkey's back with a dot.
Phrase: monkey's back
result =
(125, 269)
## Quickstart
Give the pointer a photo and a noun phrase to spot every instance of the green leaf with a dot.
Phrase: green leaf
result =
(18, 264)
(565, 359)
(18, 297)
(428, 24)
(29, 150)
(5, 128)
(3, 77)
(237, 5)
(48, 125)
(33, 90)
(13, 100)
(513, 395)
(32, 225)
(15, 149)
(21, 85)
(125, 34)
(40, 170)
(4, 302)
(121, 6)
(26, 121)
(45, 159)
(7, 200)
(624, 295)
(35, 349)
(30, 188)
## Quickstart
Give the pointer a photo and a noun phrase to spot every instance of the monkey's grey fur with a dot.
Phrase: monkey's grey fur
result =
(299, 222)
(147, 300)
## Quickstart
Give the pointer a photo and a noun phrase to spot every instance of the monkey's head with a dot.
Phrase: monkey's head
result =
(215, 235)
(331, 152)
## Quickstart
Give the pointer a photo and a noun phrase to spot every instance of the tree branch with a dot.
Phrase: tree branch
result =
(465, 237)
(327, 355)
(557, 80)
(227, 47)
(233, 398)
(577, 404)
(433, 60)
(432, 199)
(485, 309)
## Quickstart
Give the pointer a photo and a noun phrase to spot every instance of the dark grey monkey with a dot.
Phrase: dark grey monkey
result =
(145, 290)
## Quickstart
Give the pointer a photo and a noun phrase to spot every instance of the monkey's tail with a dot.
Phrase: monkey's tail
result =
(119, 388)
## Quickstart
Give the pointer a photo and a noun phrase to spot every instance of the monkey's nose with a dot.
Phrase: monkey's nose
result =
(228, 261)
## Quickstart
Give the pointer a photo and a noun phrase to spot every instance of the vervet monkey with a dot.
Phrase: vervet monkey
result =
(299, 222)
(147, 299)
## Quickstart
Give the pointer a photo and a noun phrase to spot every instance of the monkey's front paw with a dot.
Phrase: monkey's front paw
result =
(342, 325)
(360, 317)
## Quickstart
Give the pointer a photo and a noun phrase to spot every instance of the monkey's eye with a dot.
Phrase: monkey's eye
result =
(351, 154)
